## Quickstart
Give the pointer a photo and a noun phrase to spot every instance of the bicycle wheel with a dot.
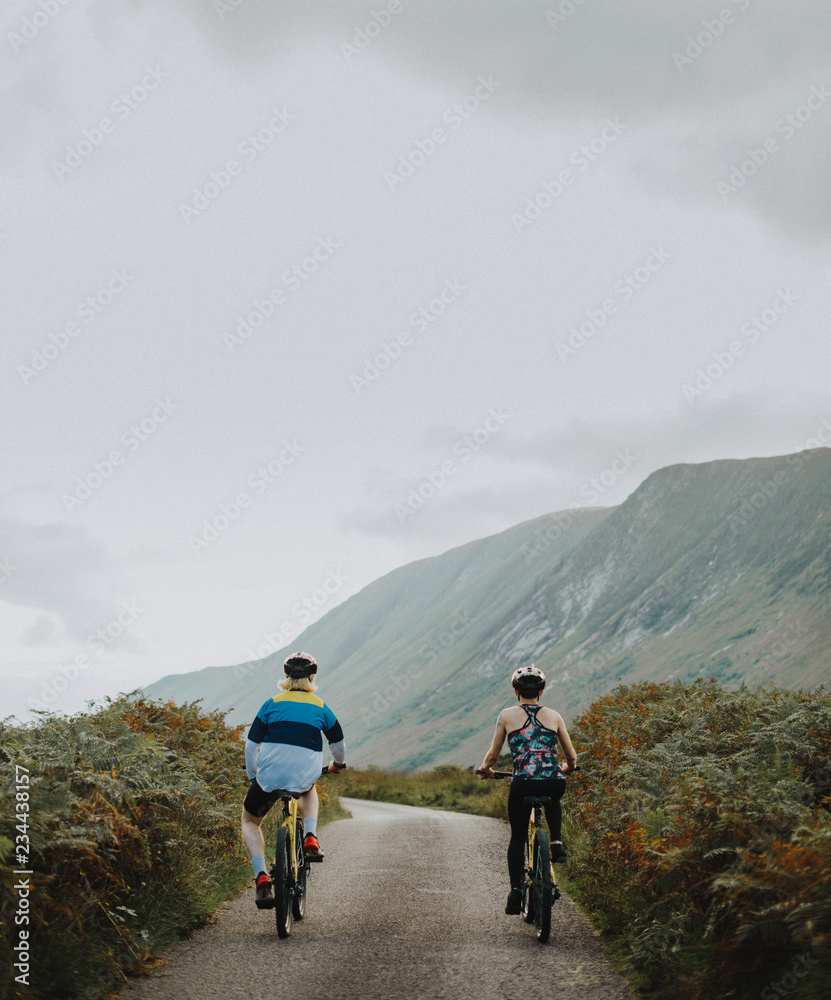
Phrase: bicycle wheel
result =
(283, 883)
(298, 903)
(543, 888)
(527, 890)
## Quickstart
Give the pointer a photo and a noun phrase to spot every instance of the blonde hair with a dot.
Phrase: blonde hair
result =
(297, 684)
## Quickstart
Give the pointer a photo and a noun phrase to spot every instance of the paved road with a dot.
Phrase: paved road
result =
(409, 903)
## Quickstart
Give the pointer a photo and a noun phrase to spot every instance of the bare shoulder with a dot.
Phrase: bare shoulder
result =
(512, 718)
(549, 718)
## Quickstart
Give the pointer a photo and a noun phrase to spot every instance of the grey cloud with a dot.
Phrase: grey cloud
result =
(606, 54)
(60, 570)
(707, 81)
(586, 462)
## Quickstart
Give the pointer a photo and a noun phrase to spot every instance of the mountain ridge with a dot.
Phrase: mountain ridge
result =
(715, 569)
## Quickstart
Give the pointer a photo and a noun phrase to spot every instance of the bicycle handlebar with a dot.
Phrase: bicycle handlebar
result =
(324, 771)
(509, 774)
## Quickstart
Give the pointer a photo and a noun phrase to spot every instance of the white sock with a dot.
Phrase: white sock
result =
(258, 865)
(309, 825)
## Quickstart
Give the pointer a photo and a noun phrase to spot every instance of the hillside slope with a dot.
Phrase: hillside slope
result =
(718, 569)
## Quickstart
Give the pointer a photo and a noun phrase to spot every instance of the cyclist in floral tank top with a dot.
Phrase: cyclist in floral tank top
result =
(534, 748)
(533, 732)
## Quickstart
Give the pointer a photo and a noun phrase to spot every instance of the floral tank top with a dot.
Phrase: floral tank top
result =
(534, 748)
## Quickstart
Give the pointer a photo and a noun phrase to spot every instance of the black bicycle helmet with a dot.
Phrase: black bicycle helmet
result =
(299, 665)
(529, 681)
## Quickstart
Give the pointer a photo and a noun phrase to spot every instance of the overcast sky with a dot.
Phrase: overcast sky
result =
(296, 293)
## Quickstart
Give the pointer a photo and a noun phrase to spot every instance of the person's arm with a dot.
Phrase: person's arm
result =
(337, 745)
(492, 756)
(252, 746)
(565, 743)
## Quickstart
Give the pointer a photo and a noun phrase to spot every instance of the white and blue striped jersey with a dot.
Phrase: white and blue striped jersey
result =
(284, 748)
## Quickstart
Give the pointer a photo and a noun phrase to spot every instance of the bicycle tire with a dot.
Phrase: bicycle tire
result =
(528, 890)
(298, 903)
(543, 887)
(283, 883)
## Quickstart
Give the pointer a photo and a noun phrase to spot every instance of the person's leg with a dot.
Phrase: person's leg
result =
(252, 837)
(518, 815)
(554, 815)
(307, 808)
(254, 808)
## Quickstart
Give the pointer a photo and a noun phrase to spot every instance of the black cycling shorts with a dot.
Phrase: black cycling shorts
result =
(257, 802)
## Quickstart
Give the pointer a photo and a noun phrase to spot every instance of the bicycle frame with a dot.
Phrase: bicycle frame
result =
(291, 867)
(540, 890)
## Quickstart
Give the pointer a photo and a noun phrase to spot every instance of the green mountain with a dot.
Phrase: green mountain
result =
(721, 569)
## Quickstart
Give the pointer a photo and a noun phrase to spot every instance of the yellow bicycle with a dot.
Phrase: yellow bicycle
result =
(291, 867)
(539, 890)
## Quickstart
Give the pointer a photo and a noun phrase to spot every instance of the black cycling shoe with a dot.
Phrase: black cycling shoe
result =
(514, 904)
(558, 853)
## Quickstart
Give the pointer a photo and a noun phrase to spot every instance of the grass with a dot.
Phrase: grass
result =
(133, 838)
(699, 835)
(445, 787)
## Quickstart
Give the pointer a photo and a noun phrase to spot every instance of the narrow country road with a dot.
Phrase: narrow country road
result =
(409, 903)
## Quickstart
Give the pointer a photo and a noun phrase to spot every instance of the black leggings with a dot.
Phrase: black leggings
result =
(519, 814)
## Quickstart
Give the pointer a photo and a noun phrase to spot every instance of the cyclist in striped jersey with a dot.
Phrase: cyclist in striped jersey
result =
(532, 731)
(284, 753)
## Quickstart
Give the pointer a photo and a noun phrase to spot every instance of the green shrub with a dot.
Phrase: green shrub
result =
(134, 831)
(445, 787)
(702, 845)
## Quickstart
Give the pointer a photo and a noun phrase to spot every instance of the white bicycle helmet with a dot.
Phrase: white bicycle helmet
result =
(529, 681)
(299, 665)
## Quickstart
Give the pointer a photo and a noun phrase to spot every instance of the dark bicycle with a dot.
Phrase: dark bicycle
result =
(539, 890)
